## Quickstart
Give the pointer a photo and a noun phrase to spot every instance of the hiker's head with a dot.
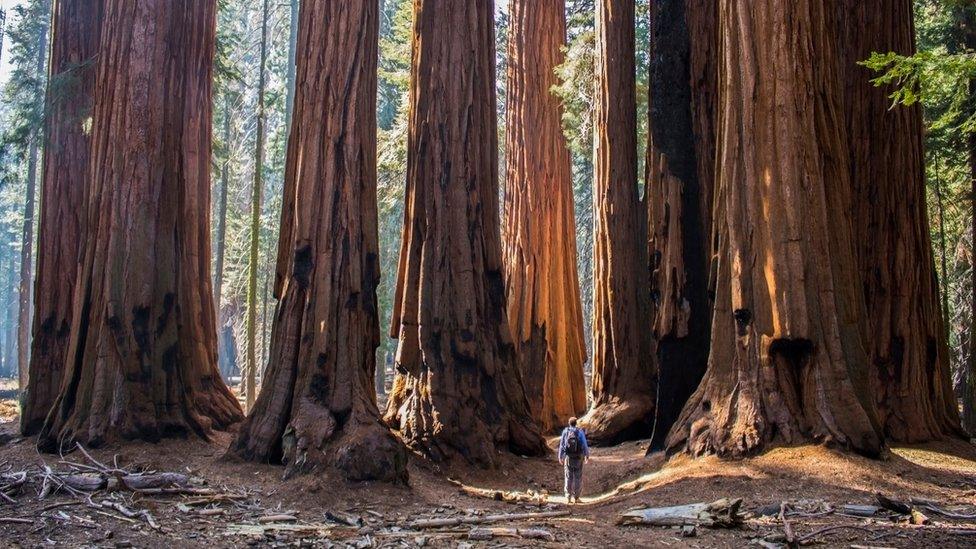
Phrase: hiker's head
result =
(572, 422)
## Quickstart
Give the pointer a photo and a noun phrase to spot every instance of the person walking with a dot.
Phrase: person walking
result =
(573, 453)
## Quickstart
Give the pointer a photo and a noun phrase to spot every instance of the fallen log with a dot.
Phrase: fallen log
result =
(723, 513)
(487, 519)
(893, 505)
(488, 534)
(149, 483)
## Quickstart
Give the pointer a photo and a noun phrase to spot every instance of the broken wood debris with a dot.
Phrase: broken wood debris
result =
(723, 513)
(487, 519)
(488, 534)
(530, 497)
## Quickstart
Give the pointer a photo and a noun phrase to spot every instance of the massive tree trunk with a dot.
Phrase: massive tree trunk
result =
(677, 241)
(27, 233)
(142, 359)
(64, 197)
(907, 343)
(701, 18)
(788, 362)
(249, 383)
(317, 406)
(624, 367)
(541, 282)
(458, 390)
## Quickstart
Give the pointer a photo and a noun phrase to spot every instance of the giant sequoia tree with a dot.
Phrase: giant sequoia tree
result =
(64, 196)
(141, 358)
(907, 343)
(623, 358)
(675, 197)
(788, 361)
(317, 405)
(458, 390)
(541, 280)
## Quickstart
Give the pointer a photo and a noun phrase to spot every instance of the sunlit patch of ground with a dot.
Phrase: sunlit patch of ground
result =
(9, 407)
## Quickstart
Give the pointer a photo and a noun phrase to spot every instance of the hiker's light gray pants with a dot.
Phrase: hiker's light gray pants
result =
(574, 477)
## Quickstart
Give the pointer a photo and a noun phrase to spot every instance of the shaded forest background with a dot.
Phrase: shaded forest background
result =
(253, 83)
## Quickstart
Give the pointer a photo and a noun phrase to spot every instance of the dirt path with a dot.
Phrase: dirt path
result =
(617, 479)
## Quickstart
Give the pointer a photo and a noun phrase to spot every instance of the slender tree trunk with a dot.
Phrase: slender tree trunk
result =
(968, 30)
(677, 243)
(64, 200)
(907, 342)
(458, 391)
(142, 359)
(290, 84)
(250, 376)
(624, 367)
(318, 407)
(222, 211)
(27, 234)
(541, 281)
(788, 362)
(3, 27)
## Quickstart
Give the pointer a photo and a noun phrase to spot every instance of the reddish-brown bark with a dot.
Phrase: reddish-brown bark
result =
(541, 281)
(907, 342)
(317, 406)
(458, 391)
(623, 356)
(142, 348)
(788, 361)
(64, 196)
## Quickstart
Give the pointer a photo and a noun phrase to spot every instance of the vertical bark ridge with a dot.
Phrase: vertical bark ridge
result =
(788, 363)
(542, 284)
(64, 196)
(458, 391)
(317, 406)
(907, 342)
(142, 349)
(624, 367)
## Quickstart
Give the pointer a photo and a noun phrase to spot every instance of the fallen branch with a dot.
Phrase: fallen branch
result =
(830, 529)
(723, 513)
(488, 519)
(488, 534)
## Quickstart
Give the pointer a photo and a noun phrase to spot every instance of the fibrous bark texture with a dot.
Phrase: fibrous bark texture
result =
(542, 283)
(788, 363)
(317, 406)
(907, 342)
(701, 19)
(64, 196)
(623, 356)
(458, 390)
(142, 348)
(677, 244)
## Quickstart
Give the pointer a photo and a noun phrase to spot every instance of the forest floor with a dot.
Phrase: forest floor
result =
(814, 480)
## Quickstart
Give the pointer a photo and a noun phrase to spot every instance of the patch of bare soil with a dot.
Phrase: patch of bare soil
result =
(239, 504)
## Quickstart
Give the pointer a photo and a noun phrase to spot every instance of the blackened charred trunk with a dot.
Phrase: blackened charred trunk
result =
(673, 197)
